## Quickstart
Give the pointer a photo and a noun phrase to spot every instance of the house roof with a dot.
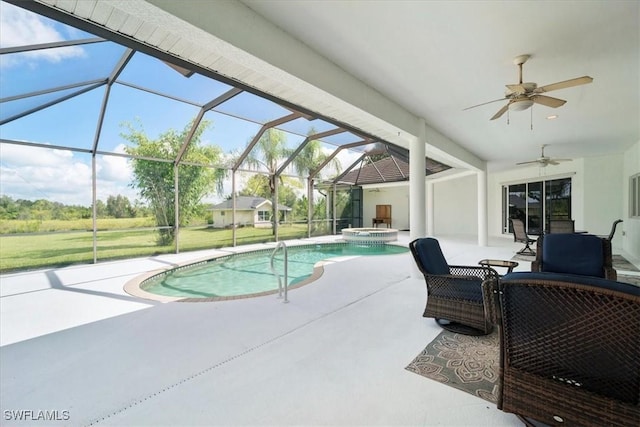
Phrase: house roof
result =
(246, 203)
(389, 169)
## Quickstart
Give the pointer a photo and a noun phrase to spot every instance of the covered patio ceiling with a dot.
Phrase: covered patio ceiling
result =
(380, 66)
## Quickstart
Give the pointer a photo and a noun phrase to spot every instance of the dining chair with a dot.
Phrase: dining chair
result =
(613, 230)
(520, 235)
(561, 226)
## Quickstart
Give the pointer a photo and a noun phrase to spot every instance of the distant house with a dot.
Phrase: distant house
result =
(250, 211)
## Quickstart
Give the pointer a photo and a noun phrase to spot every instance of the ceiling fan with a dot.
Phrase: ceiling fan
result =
(523, 95)
(544, 161)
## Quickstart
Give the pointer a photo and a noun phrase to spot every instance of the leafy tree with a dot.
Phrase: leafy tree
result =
(258, 185)
(101, 209)
(9, 209)
(119, 207)
(139, 210)
(301, 209)
(155, 179)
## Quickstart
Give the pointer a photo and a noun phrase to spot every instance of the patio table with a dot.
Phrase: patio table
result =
(509, 265)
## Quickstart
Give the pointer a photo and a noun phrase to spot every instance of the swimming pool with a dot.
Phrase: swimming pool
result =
(249, 274)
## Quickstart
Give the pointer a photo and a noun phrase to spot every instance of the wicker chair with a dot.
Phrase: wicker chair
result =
(520, 235)
(569, 348)
(582, 254)
(454, 293)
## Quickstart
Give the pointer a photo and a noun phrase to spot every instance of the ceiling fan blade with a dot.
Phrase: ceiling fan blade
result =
(518, 89)
(500, 112)
(485, 103)
(561, 85)
(548, 101)
(528, 163)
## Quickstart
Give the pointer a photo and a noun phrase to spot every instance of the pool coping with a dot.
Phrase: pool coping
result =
(133, 286)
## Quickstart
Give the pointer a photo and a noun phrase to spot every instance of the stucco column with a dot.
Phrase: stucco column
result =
(417, 195)
(417, 191)
(482, 208)
(430, 209)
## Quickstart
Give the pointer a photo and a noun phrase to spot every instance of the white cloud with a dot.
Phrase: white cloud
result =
(19, 155)
(19, 27)
(60, 175)
(114, 168)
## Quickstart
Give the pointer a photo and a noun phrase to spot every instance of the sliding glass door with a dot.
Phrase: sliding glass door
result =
(535, 203)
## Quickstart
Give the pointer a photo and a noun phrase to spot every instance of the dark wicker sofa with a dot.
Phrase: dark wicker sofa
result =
(570, 348)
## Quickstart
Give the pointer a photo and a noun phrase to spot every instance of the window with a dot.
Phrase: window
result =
(634, 196)
(535, 203)
(264, 216)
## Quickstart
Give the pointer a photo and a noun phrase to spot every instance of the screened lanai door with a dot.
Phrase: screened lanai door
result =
(536, 203)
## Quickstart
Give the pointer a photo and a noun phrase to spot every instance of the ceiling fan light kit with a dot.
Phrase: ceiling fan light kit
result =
(520, 104)
(522, 96)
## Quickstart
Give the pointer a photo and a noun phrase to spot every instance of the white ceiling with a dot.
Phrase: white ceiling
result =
(432, 58)
(436, 58)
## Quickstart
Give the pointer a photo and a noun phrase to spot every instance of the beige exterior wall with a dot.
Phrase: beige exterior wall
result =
(222, 219)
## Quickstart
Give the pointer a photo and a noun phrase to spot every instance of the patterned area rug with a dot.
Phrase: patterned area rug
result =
(468, 363)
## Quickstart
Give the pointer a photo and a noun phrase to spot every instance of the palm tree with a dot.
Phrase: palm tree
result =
(271, 150)
(268, 151)
(310, 158)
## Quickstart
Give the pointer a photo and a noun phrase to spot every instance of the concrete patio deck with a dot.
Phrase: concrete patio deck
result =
(76, 345)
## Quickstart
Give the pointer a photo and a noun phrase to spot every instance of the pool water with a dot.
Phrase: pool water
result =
(250, 273)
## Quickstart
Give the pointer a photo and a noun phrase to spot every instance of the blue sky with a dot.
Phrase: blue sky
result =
(65, 176)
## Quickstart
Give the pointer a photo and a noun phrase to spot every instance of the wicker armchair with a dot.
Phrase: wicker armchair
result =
(569, 348)
(454, 293)
(582, 254)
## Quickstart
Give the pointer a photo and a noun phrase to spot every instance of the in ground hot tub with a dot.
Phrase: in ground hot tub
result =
(370, 235)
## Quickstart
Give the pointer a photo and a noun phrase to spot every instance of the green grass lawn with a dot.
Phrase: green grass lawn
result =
(30, 251)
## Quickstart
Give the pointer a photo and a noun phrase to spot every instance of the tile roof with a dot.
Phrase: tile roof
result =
(389, 169)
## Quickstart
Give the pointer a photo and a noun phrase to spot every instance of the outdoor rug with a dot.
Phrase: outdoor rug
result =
(468, 363)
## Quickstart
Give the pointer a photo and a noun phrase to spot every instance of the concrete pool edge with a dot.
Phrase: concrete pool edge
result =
(134, 288)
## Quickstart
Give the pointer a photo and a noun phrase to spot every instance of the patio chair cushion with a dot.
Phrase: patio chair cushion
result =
(431, 256)
(573, 254)
(612, 285)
